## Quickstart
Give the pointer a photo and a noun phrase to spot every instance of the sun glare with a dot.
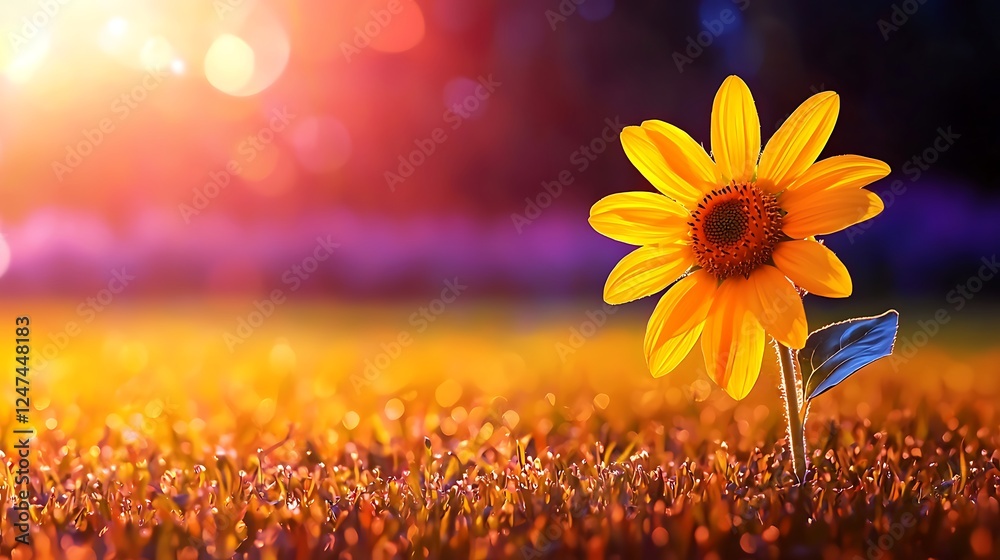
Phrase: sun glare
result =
(24, 65)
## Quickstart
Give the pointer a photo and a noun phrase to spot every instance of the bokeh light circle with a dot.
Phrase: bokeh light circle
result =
(391, 27)
(271, 47)
(129, 39)
(157, 53)
(322, 143)
(229, 64)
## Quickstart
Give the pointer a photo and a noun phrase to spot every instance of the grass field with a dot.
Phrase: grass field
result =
(492, 431)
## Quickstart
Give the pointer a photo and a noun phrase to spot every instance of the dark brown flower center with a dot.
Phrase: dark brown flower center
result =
(734, 230)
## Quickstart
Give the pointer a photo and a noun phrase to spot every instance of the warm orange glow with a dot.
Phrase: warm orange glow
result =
(280, 180)
(261, 167)
(393, 26)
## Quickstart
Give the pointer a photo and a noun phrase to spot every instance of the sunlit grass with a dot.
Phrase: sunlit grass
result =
(479, 440)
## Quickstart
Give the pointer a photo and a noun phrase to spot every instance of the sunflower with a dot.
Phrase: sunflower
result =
(734, 239)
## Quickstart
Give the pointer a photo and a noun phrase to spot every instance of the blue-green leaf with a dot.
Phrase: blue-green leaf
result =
(837, 351)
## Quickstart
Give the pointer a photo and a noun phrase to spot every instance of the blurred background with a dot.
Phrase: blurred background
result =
(205, 145)
(240, 225)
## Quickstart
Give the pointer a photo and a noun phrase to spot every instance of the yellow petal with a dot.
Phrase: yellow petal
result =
(685, 157)
(647, 158)
(647, 270)
(813, 268)
(829, 211)
(665, 355)
(680, 309)
(733, 340)
(837, 172)
(799, 141)
(640, 218)
(777, 306)
(735, 131)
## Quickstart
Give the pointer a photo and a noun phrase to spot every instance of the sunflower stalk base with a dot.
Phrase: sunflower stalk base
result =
(794, 413)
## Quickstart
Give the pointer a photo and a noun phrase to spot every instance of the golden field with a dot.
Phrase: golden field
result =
(495, 432)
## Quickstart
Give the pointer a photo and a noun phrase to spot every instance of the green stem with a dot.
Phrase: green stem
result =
(790, 393)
